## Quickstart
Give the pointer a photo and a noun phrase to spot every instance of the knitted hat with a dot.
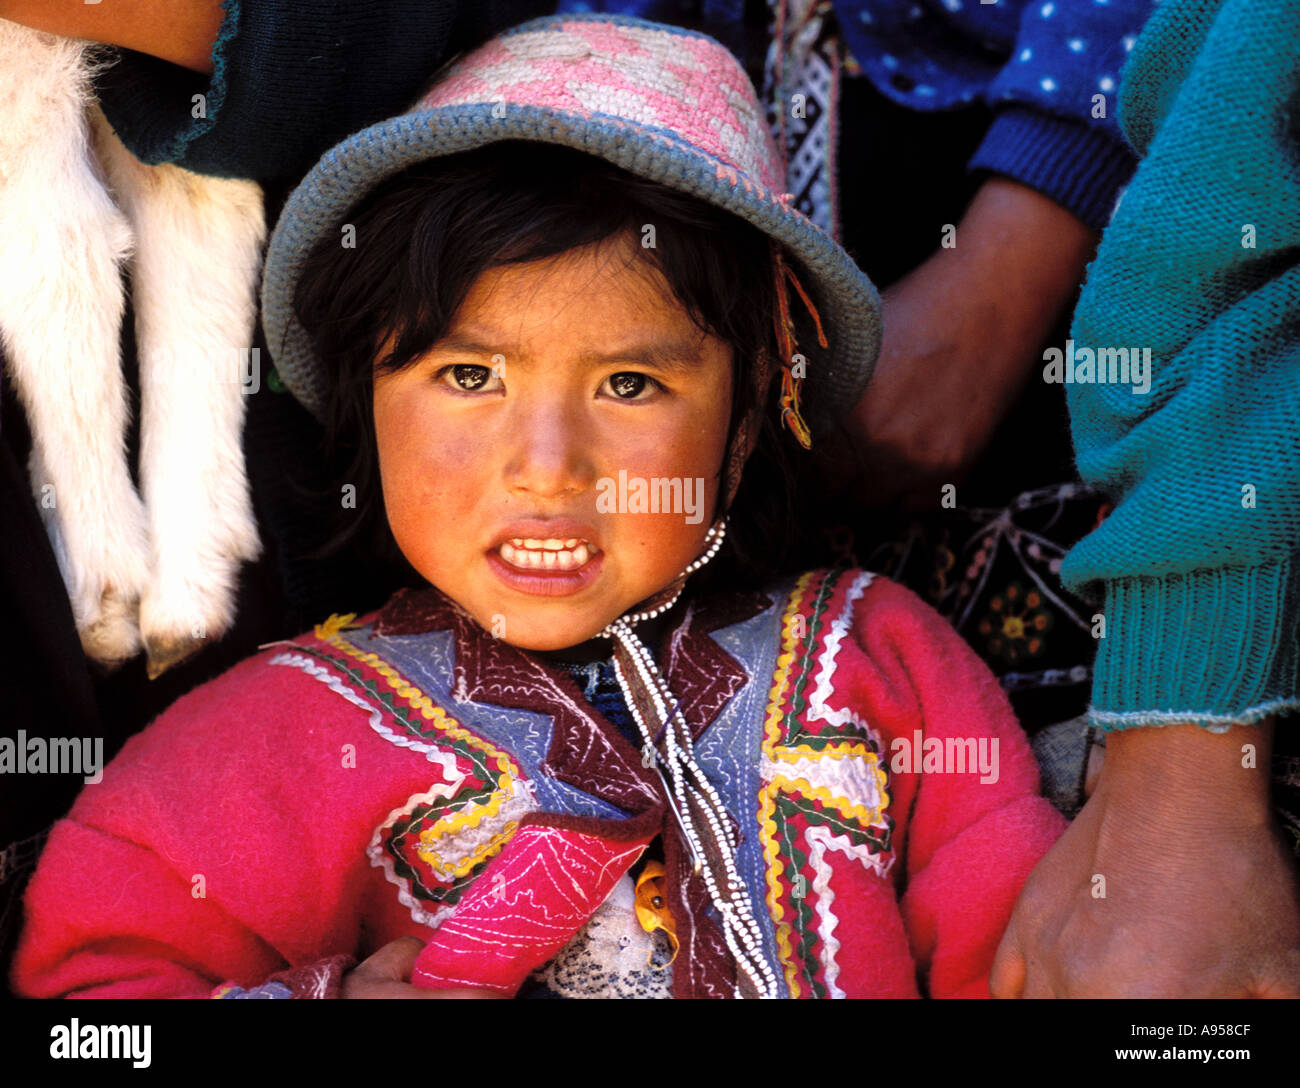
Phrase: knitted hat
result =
(665, 103)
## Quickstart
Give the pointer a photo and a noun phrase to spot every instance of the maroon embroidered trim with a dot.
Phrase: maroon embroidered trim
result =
(413, 612)
(586, 751)
(700, 672)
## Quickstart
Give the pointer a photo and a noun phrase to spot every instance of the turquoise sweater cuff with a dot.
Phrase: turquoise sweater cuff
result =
(1211, 647)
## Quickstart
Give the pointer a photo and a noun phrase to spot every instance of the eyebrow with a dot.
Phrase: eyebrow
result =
(673, 356)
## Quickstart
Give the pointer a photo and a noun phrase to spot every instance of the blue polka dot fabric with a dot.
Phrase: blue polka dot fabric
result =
(1049, 69)
(1054, 55)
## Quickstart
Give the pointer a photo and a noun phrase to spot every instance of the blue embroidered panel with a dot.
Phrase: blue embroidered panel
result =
(426, 660)
(730, 750)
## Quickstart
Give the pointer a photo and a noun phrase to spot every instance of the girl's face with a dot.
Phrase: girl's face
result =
(500, 451)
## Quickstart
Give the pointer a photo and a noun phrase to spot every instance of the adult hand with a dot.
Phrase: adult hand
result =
(181, 31)
(387, 973)
(1173, 881)
(962, 333)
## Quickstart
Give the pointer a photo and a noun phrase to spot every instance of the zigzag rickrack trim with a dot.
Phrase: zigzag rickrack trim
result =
(467, 819)
(508, 782)
(319, 672)
(472, 816)
(447, 726)
(836, 810)
(772, 736)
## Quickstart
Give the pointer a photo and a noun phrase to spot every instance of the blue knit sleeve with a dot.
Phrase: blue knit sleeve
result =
(289, 81)
(1197, 282)
(1054, 127)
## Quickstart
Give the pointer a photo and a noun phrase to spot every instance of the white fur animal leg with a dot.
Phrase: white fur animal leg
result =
(197, 257)
(61, 244)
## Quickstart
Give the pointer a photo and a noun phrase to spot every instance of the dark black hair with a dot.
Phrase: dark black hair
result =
(424, 236)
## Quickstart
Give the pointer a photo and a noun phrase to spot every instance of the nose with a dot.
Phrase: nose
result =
(550, 449)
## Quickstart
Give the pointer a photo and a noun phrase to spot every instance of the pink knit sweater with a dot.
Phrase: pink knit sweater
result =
(258, 823)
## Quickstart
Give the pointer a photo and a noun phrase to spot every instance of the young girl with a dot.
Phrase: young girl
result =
(566, 315)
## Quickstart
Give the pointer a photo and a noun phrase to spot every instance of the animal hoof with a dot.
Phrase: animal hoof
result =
(167, 653)
(111, 637)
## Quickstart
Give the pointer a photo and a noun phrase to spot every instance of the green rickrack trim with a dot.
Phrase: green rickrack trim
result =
(858, 834)
(442, 893)
(804, 920)
(799, 703)
(793, 728)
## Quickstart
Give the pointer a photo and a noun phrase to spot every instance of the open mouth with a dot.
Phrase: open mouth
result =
(530, 554)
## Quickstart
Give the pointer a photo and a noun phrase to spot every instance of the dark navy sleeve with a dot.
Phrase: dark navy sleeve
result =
(290, 80)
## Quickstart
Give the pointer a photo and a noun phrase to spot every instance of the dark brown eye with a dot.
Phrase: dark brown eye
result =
(470, 377)
(627, 385)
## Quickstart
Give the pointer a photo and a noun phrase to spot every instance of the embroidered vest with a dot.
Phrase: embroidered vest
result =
(537, 806)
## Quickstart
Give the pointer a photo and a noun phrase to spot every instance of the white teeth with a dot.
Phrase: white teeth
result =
(548, 555)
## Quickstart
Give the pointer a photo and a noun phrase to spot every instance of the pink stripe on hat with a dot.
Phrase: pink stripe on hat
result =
(684, 83)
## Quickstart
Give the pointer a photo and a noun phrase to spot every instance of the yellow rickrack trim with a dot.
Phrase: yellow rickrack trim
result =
(767, 805)
(475, 815)
(775, 866)
(429, 710)
(492, 847)
(469, 818)
(776, 752)
(450, 729)
(866, 816)
(781, 679)
(837, 750)
(784, 930)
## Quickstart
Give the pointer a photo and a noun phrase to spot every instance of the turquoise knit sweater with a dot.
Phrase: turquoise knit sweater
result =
(1201, 264)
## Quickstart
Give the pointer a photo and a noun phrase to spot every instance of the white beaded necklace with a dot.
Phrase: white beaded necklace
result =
(687, 789)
